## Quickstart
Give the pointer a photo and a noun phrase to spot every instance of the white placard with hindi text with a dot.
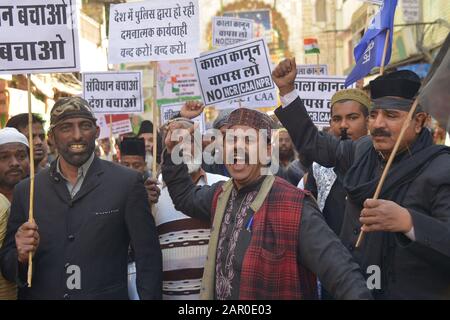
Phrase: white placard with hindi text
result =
(316, 93)
(153, 31)
(228, 31)
(114, 92)
(176, 80)
(169, 110)
(38, 36)
(312, 69)
(234, 72)
(265, 99)
(119, 126)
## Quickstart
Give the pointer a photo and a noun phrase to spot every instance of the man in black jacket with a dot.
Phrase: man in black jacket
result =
(349, 112)
(87, 212)
(406, 249)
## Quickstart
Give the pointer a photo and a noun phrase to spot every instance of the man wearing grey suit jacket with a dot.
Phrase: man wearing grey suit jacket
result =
(87, 213)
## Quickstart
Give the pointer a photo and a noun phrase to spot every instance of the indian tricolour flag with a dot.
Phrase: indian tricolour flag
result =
(311, 45)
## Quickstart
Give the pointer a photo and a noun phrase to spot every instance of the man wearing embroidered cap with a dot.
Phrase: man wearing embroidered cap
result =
(14, 166)
(88, 212)
(268, 238)
(406, 251)
(349, 112)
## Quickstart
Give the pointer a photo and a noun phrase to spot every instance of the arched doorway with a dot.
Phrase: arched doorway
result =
(279, 32)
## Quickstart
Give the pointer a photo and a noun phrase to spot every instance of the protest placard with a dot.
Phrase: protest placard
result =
(114, 92)
(228, 31)
(316, 93)
(312, 69)
(169, 110)
(177, 82)
(262, 22)
(234, 72)
(153, 31)
(263, 99)
(38, 36)
(121, 124)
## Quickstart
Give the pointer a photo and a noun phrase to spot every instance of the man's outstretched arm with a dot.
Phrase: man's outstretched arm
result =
(321, 251)
(316, 146)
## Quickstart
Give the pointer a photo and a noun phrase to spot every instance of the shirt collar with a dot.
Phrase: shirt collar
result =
(254, 186)
(82, 171)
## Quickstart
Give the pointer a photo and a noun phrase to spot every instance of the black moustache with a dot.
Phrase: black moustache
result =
(344, 135)
(380, 133)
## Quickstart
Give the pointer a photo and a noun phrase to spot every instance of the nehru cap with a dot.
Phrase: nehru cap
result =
(73, 107)
(11, 135)
(252, 118)
(132, 147)
(395, 90)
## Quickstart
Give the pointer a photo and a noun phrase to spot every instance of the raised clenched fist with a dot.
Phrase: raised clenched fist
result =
(284, 76)
(191, 109)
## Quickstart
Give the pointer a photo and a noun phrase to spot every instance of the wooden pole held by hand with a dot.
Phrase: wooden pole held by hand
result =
(391, 159)
(155, 120)
(397, 143)
(32, 169)
(383, 58)
(111, 140)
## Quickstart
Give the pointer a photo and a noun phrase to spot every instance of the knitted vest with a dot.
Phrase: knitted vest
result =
(270, 267)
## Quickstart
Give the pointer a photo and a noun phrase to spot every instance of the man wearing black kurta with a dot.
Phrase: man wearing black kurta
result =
(87, 212)
(408, 233)
(267, 236)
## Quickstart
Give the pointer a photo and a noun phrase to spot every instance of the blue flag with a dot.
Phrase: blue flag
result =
(369, 51)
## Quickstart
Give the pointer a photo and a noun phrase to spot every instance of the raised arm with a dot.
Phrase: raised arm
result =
(194, 201)
(317, 146)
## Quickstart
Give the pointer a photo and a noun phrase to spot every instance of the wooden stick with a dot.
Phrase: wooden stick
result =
(397, 143)
(367, 17)
(111, 142)
(383, 59)
(155, 120)
(391, 159)
(30, 141)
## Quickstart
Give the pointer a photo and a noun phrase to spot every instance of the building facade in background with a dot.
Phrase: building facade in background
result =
(417, 37)
(337, 24)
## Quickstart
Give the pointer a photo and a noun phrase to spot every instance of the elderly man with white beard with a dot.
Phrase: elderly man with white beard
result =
(183, 264)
